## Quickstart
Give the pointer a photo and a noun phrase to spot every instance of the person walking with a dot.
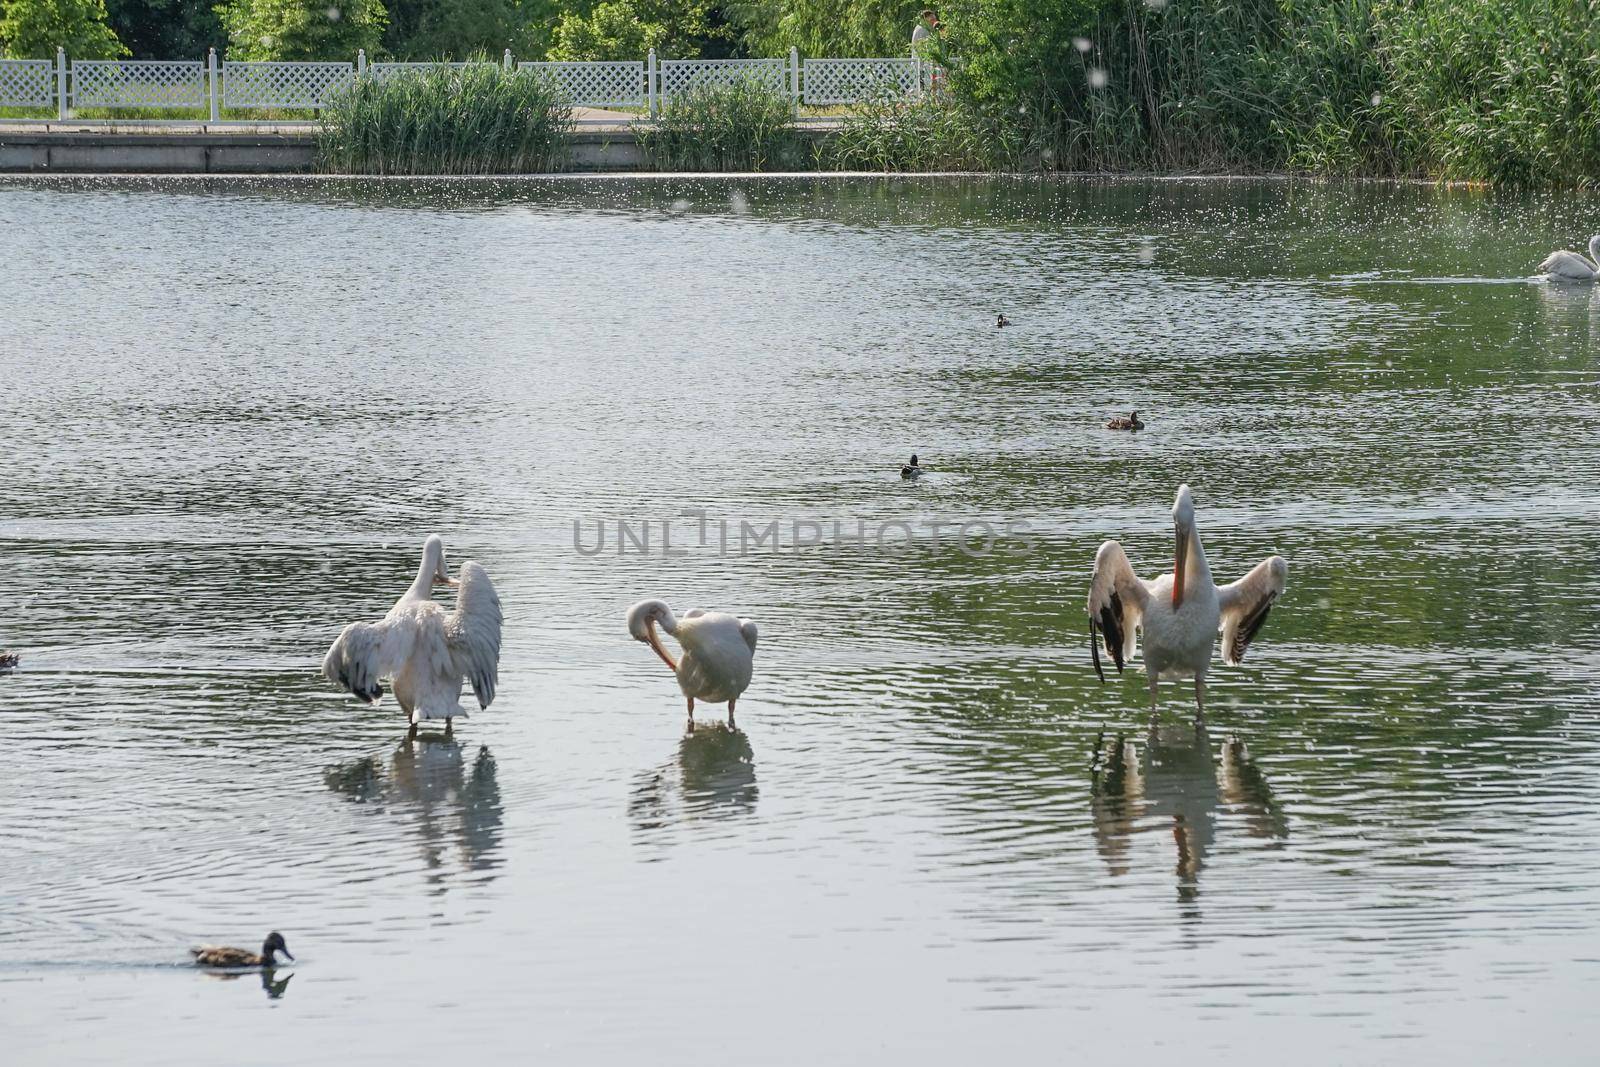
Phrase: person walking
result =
(927, 25)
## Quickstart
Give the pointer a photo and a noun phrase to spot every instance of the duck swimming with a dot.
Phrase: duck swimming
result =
(1002, 320)
(222, 956)
(1130, 423)
(910, 470)
(9, 661)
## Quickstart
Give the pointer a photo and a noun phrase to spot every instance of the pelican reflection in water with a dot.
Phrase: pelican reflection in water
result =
(429, 780)
(712, 774)
(1177, 788)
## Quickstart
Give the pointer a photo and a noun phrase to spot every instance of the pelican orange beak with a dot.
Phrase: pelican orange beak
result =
(1179, 557)
(655, 643)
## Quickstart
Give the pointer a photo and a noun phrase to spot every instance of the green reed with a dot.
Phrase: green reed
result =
(926, 131)
(478, 119)
(743, 126)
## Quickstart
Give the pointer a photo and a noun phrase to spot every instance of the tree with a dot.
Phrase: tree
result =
(449, 29)
(627, 29)
(34, 29)
(302, 29)
(167, 29)
(829, 27)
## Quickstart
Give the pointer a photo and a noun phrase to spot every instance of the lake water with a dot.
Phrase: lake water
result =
(230, 412)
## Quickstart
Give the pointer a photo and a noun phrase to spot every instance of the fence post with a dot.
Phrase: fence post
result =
(211, 76)
(361, 62)
(650, 80)
(508, 59)
(61, 84)
(794, 78)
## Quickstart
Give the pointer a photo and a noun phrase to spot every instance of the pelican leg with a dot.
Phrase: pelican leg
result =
(449, 727)
(730, 714)
(690, 727)
(1199, 700)
(1153, 711)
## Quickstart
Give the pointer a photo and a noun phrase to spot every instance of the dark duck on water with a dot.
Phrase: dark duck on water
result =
(223, 956)
(910, 470)
(1130, 423)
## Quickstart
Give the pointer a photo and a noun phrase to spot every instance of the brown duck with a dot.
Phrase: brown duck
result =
(1130, 423)
(9, 661)
(222, 956)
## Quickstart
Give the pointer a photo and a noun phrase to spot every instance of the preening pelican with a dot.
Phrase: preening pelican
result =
(1571, 267)
(1179, 613)
(424, 650)
(911, 470)
(719, 651)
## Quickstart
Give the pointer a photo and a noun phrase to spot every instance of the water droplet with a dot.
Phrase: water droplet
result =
(1082, 44)
(334, 14)
(1147, 252)
(738, 203)
(1097, 78)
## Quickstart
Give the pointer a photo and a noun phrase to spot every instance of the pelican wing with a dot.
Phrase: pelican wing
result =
(1117, 600)
(1567, 265)
(366, 652)
(472, 632)
(1245, 605)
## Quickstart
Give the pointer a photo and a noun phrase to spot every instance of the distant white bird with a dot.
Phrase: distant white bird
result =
(422, 649)
(1179, 613)
(718, 651)
(1571, 267)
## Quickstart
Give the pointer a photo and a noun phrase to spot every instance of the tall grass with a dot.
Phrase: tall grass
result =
(927, 131)
(478, 119)
(743, 126)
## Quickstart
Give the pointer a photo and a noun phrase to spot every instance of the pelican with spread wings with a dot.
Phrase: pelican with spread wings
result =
(1178, 614)
(423, 650)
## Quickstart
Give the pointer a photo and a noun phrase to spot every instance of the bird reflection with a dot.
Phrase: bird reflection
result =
(272, 985)
(713, 775)
(428, 780)
(1177, 788)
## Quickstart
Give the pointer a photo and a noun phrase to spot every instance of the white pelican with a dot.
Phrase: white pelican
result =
(719, 651)
(1179, 613)
(1571, 267)
(424, 650)
(911, 470)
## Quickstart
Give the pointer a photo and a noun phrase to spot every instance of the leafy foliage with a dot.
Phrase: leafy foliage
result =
(33, 29)
(302, 29)
(167, 29)
(627, 29)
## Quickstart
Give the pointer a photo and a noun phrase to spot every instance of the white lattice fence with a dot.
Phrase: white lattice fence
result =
(27, 83)
(139, 83)
(289, 86)
(678, 75)
(390, 70)
(595, 84)
(850, 81)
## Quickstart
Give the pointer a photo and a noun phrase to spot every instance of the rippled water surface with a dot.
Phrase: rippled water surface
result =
(231, 411)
